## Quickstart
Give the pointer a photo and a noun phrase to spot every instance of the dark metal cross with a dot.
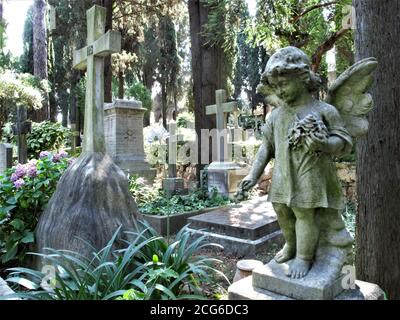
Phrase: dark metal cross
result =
(21, 129)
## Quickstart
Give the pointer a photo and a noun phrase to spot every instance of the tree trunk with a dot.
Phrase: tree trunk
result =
(40, 53)
(73, 112)
(52, 75)
(164, 104)
(378, 168)
(208, 64)
(121, 82)
(107, 60)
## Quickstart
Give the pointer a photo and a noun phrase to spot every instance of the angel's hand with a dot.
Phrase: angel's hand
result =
(315, 143)
(244, 186)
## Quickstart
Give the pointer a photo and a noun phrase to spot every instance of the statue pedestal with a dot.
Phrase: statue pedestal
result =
(269, 282)
(123, 124)
(225, 177)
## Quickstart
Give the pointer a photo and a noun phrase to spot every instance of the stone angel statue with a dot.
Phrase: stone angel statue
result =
(303, 135)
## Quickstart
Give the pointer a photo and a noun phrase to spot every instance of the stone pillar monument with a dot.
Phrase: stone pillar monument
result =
(6, 153)
(123, 126)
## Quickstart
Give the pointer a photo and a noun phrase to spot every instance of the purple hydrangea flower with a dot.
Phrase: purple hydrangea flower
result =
(14, 177)
(32, 162)
(44, 154)
(63, 154)
(20, 170)
(32, 171)
(19, 183)
(56, 158)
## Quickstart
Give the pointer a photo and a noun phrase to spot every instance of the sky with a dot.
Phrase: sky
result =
(14, 12)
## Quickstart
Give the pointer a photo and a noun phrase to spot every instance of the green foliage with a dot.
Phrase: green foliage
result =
(19, 90)
(139, 92)
(47, 135)
(223, 22)
(349, 216)
(141, 192)
(26, 59)
(24, 191)
(183, 203)
(146, 268)
(304, 24)
(184, 118)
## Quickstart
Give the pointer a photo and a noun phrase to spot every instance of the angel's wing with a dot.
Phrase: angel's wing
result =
(348, 95)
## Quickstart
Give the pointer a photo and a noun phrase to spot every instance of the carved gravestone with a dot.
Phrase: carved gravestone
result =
(223, 174)
(6, 153)
(173, 185)
(123, 129)
(92, 198)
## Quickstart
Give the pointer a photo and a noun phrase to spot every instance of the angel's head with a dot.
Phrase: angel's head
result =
(288, 75)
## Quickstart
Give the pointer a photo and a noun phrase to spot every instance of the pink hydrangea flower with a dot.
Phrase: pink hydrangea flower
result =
(20, 170)
(14, 177)
(32, 171)
(44, 154)
(32, 162)
(56, 158)
(19, 183)
(63, 154)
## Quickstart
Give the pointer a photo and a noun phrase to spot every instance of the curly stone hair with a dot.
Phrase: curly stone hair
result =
(291, 61)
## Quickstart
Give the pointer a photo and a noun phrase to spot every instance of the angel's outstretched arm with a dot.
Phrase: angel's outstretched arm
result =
(263, 156)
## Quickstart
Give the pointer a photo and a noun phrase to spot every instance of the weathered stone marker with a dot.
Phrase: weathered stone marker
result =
(91, 58)
(21, 129)
(123, 124)
(220, 109)
(74, 136)
(223, 174)
(235, 137)
(6, 152)
(173, 185)
(92, 198)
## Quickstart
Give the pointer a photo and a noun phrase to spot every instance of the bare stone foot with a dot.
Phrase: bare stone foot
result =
(298, 268)
(285, 254)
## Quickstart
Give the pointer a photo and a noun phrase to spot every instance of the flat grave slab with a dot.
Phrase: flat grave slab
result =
(242, 229)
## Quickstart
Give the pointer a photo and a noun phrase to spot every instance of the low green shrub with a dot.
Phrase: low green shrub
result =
(24, 191)
(196, 200)
(47, 135)
(147, 268)
(142, 192)
(184, 119)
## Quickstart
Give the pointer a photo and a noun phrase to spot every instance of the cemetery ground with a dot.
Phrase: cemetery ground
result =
(151, 200)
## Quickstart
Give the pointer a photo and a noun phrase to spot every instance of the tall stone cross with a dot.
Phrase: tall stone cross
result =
(91, 58)
(220, 109)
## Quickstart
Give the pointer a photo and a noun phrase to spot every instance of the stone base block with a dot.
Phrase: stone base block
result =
(315, 286)
(173, 186)
(225, 180)
(244, 290)
(138, 167)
